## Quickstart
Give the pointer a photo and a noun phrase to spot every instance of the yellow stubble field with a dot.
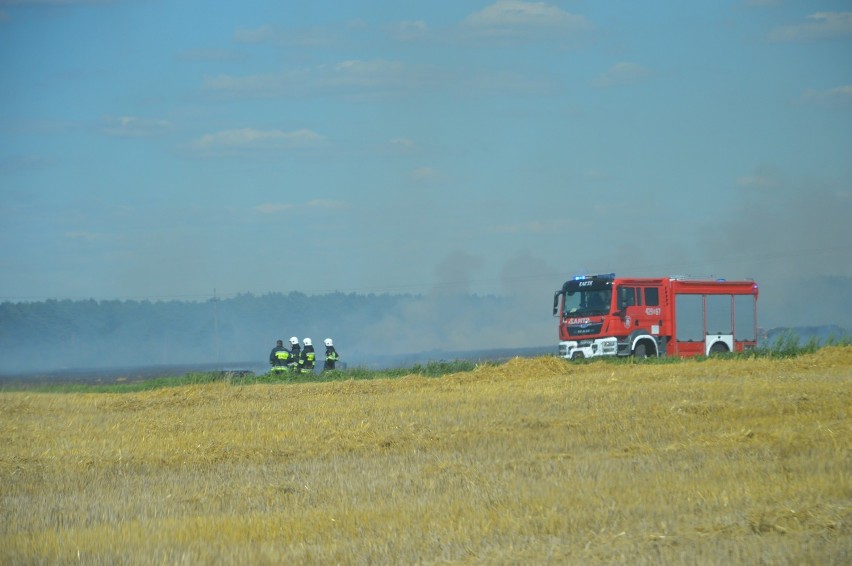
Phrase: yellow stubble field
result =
(529, 462)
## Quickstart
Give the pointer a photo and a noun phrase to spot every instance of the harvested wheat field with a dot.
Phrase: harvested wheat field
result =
(533, 461)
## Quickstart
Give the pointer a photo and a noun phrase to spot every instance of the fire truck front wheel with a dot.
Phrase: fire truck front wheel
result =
(645, 348)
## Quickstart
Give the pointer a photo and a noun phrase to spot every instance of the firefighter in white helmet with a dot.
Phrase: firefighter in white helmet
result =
(330, 355)
(308, 358)
(295, 354)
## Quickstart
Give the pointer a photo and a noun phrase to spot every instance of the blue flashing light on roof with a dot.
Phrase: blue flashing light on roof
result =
(601, 276)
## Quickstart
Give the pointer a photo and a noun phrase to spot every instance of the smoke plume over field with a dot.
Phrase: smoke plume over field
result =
(794, 243)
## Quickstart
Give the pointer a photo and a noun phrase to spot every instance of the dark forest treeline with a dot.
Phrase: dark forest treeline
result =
(57, 334)
(66, 333)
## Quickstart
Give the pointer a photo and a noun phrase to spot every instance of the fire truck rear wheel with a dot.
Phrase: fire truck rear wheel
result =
(718, 348)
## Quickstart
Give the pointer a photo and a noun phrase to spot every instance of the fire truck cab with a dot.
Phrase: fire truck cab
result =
(605, 315)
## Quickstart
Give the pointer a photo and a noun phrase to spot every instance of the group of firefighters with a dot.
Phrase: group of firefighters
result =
(301, 359)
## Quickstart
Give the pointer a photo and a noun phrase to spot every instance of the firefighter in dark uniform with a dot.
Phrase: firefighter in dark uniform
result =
(279, 357)
(308, 358)
(330, 355)
(295, 355)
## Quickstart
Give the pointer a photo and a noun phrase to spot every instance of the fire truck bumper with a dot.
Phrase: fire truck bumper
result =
(575, 349)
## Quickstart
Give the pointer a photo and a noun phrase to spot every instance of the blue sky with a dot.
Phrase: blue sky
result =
(166, 149)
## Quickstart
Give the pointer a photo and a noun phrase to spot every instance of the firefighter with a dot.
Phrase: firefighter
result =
(308, 358)
(279, 357)
(330, 355)
(295, 354)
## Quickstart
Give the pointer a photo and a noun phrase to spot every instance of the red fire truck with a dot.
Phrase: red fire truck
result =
(605, 315)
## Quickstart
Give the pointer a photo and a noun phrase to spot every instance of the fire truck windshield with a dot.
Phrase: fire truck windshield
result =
(586, 303)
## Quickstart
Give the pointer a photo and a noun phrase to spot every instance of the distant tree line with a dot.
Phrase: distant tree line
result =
(90, 333)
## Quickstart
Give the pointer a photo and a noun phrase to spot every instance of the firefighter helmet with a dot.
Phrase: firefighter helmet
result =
(307, 341)
(294, 340)
(328, 342)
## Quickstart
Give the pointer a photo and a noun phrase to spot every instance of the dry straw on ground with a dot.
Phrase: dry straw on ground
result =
(533, 461)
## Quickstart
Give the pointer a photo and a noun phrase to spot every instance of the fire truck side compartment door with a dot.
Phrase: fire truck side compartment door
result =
(745, 322)
(689, 317)
(719, 314)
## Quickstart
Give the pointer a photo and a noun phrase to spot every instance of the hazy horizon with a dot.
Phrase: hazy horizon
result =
(368, 330)
(170, 151)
